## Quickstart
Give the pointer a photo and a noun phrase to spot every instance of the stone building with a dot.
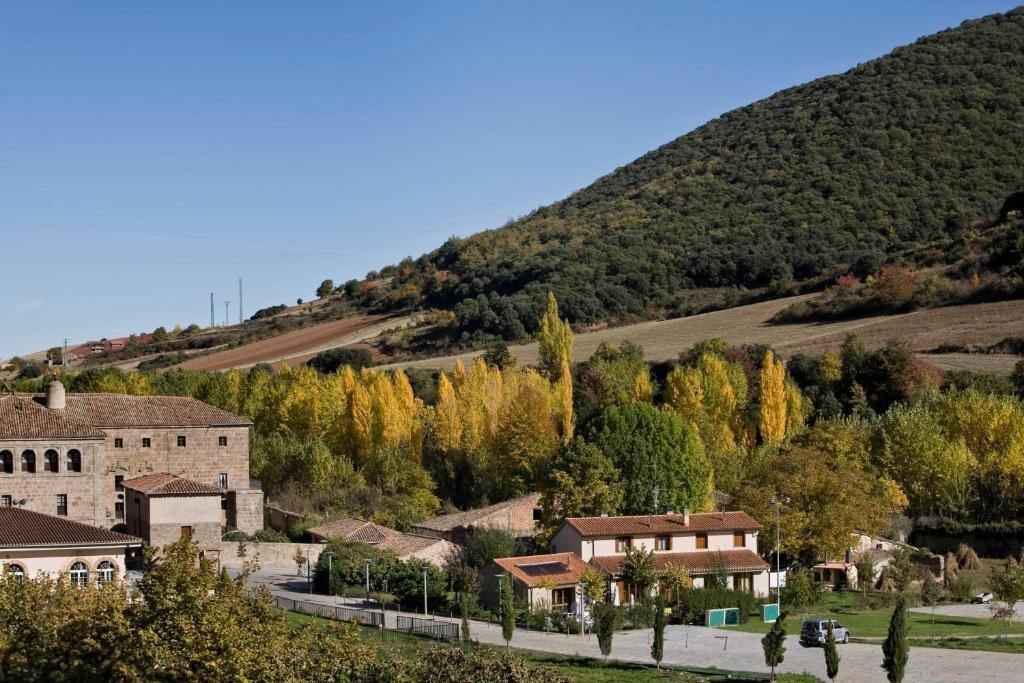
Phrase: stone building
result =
(519, 516)
(68, 455)
(163, 508)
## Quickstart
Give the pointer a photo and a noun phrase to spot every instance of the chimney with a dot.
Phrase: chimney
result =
(686, 517)
(604, 513)
(55, 396)
(670, 510)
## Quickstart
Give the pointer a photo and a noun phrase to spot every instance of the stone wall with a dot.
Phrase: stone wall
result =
(245, 510)
(272, 555)
(84, 490)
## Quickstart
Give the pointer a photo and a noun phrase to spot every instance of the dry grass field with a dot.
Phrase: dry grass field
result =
(295, 348)
(922, 330)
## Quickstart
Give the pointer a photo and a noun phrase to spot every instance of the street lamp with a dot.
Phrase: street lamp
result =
(777, 503)
(330, 572)
(424, 590)
(367, 561)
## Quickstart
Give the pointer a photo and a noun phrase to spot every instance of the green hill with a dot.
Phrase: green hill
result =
(850, 170)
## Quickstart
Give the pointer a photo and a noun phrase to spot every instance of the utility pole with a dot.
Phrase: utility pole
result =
(239, 301)
(424, 591)
(213, 323)
(778, 503)
(64, 355)
(226, 321)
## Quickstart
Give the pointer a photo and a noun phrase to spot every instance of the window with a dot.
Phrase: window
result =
(743, 582)
(622, 543)
(702, 541)
(562, 597)
(50, 461)
(119, 509)
(738, 539)
(74, 460)
(16, 571)
(223, 502)
(222, 441)
(62, 505)
(5, 501)
(663, 543)
(79, 574)
(186, 532)
(119, 482)
(7, 462)
(119, 443)
(181, 442)
(222, 479)
(146, 443)
(104, 572)
(28, 461)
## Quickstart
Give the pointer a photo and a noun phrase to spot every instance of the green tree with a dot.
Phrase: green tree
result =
(508, 610)
(325, 289)
(1017, 378)
(774, 644)
(582, 481)
(487, 543)
(594, 585)
(638, 571)
(607, 618)
(499, 356)
(831, 653)
(464, 634)
(896, 649)
(659, 455)
(803, 591)
(54, 355)
(1007, 586)
(160, 334)
(658, 642)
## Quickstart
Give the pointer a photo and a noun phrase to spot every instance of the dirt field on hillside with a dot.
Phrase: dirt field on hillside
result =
(923, 330)
(295, 348)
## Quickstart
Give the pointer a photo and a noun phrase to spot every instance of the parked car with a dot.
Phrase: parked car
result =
(814, 632)
(982, 599)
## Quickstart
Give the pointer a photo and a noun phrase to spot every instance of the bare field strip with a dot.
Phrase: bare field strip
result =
(295, 348)
(922, 330)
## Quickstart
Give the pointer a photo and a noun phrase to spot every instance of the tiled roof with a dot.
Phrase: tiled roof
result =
(662, 524)
(404, 545)
(833, 565)
(353, 529)
(119, 410)
(561, 568)
(23, 418)
(20, 528)
(471, 517)
(698, 563)
(164, 484)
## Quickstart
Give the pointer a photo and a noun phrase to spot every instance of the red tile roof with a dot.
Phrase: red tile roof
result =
(479, 515)
(23, 418)
(21, 528)
(353, 529)
(561, 568)
(662, 524)
(698, 563)
(163, 484)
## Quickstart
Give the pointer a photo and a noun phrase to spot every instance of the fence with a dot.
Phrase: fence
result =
(417, 626)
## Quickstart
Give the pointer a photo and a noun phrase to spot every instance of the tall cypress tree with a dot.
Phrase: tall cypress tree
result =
(508, 611)
(895, 649)
(831, 655)
(774, 644)
(606, 620)
(464, 612)
(658, 645)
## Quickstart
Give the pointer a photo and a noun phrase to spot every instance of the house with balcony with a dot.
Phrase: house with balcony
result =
(705, 544)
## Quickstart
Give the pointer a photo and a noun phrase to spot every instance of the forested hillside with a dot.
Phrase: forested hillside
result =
(849, 170)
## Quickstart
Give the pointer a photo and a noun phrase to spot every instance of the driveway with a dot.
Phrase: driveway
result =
(698, 646)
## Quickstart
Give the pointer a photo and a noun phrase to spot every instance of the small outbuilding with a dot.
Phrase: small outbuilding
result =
(163, 508)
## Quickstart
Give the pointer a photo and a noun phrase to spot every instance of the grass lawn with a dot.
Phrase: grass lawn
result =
(580, 669)
(875, 623)
(1012, 645)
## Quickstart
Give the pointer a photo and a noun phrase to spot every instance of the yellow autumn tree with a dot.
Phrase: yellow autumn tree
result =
(773, 410)
(447, 421)
(555, 340)
(563, 400)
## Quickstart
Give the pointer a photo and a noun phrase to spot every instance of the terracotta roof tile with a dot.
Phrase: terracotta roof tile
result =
(164, 484)
(404, 545)
(471, 517)
(23, 418)
(20, 528)
(119, 410)
(353, 529)
(698, 563)
(561, 568)
(662, 524)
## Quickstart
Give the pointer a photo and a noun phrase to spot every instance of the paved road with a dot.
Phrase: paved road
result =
(705, 647)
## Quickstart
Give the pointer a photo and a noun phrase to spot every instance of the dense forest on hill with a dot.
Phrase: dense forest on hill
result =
(848, 171)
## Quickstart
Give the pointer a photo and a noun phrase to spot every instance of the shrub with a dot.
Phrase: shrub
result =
(640, 614)
(331, 360)
(693, 603)
(235, 536)
(962, 589)
(297, 532)
(269, 535)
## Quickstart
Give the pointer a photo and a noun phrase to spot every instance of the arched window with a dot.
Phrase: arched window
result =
(28, 461)
(79, 574)
(16, 571)
(74, 461)
(50, 461)
(7, 462)
(104, 572)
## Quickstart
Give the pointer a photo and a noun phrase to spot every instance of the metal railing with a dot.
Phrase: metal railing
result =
(418, 626)
(439, 630)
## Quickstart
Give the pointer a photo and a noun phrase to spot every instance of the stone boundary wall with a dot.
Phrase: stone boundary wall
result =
(275, 555)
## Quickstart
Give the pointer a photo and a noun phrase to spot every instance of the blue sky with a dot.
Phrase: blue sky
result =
(151, 153)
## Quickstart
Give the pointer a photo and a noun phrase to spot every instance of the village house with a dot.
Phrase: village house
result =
(162, 508)
(404, 546)
(68, 455)
(519, 516)
(702, 543)
(550, 580)
(32, 543)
